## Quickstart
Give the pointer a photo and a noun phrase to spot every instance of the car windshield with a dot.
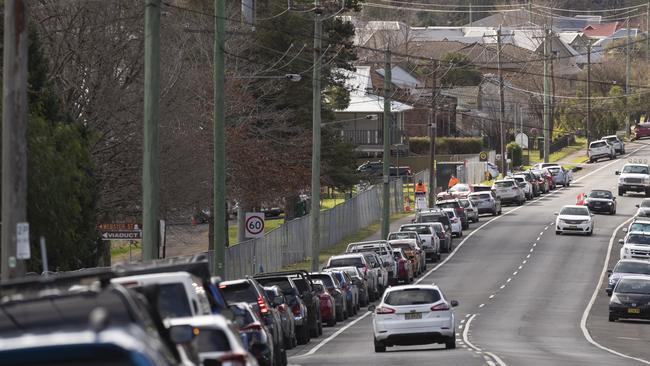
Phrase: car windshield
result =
(282, 283)
(344, 262)
(633, 286)
(600, 194)
(554, 170)
(212, 340)
(450, 214)
(453, 204)
(401, 235)
(172, 301)
(326, 279)
(459, 188)
(638, 239)
(639, 226)
(632, 267)
(412, 296)
(420, 229)
(575, 211)
(243, 317)
(645, 203)
(429, 218)
(504, 184)
(611, 139)
(242, 292)
(404, 246)
(598, 144)
(478, 197)
(635, 169)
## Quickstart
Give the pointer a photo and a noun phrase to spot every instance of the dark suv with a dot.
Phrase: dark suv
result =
(301, 288)
(249, 291)
(433, 215)
(458, 207)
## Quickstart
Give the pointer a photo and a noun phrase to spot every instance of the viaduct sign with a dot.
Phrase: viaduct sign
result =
(120, 231)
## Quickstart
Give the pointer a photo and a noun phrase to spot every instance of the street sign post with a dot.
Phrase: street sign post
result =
(22, 241)
(254, 225)
(120, 231)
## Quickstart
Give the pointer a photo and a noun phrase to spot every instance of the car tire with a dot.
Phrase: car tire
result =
(621, 192)
(591, 232)
(331, 322)
(612, 317)
(477, 218)
(303, 335)
(339, 316)
(450, 343)
(568, 184)
(379, 347)
(320, 327)
(647, 192)
(558, 232)
(465, 226)
(495, 212)
(521, 202)
(591, 161)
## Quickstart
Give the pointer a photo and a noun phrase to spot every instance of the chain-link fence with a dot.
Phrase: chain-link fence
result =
(290, 243)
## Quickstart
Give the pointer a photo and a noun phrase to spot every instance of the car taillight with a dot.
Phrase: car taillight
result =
(252, 327)
(262, 305)
(459, 209)
(234, 359)
(295, 309)
(440, 307)
(384, 310)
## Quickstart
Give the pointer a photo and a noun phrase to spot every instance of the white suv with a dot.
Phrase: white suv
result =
(634, 177)
(636, 245)
(600, 149)
(619, 146)
(508, 190)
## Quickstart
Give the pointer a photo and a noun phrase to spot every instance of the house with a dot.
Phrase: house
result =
(524, 18)
(361, 123)
(600, 31)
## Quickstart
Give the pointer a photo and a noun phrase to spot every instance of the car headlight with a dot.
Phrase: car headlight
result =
(609, 203)
(626, 250)
(614, 299)
(646, 180)
(612, 281)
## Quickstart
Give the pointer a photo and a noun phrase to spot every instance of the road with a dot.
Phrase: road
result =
(522, 292)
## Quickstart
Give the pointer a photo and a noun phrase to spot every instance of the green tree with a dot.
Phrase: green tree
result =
(61, 189)
(462, 73)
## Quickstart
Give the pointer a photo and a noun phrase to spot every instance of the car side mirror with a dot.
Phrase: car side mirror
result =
(621, 242)
(609, 272)
(637, 206)
(181, 334)
(617, 172)
(454, 303)
(372, 308)
(412, 221)
(556, 213)
(624, 230)
(614, 198)
(592, 215)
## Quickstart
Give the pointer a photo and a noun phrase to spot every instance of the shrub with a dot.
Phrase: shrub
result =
(419, 145)
(515, 153)
(447, 145)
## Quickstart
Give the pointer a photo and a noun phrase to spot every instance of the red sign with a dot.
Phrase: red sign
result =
(119, 226)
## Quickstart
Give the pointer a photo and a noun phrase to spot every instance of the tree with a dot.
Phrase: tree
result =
(461, 72)
(62, 190)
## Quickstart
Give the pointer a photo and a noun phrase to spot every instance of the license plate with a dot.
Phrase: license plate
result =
(634, 187)
(572, 227)
(412, 316)
(633, 311)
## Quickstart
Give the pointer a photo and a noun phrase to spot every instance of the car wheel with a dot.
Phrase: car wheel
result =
(591, 161)
(465, 226)
(521, 202)
(621, 192)
(331, 322)
(379, 347)
(558, 232)
(477, 218)
(591, 232)
(450, 343)
(339, 316)
(612, 317)
(568, 184)
(303, 335)
(320, 328)
(647, 192)
(494, 213)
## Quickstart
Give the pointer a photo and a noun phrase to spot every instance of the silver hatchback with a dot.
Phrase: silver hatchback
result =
(486, 202)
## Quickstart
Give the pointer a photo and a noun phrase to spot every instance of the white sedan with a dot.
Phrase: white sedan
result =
(456, 224)
(412, 315)
(574, 219)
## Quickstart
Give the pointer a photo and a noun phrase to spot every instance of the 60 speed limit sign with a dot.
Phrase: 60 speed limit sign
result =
(254, 225)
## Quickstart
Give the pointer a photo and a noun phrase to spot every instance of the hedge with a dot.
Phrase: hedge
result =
(447, 145)
(515, 153)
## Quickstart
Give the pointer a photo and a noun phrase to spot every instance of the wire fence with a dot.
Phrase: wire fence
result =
(290, 243)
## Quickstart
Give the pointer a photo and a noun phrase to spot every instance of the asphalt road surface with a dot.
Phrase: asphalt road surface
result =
(522, 290)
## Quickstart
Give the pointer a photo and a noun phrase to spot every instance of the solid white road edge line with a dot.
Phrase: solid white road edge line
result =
(328, 339)
(585, 314)
(472, 346)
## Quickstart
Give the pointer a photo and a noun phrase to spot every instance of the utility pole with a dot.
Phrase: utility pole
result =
(588, 93)
(14, 129)
(314, 217)
(502, 136)
(547, 52)
(433, 132)
(530, 12)
(219, 141)
(647, 33)
(471, 16)
(151, 158)
(628, 69)
(385, 217)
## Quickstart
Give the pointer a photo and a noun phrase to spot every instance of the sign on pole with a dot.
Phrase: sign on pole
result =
(22, 241)
(120, 231)
(254, 225)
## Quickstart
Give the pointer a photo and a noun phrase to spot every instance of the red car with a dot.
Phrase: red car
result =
(460, 190)
(640, 131)
(327, 306)
(404, 266)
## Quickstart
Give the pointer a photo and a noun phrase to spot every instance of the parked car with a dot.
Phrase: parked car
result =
(403, 313)
(486, 202)
(636, 245)
(457, 191)
(339, 294)
(634, 177)
(547, 177)
(524, 185)
(258, 336)
(251, 292)
(471, 211)
(378, 266)
(542, 183)
(401, 171)
(643, 208)
(507, 190)
(383, 249)
(626, 267)
(302, 290)
(435, 215)
(431, 242)
(357, 260)
(560, 175)
(413, 253)
(456, 226)
(327, 304)
(600, 149)
(396, 235)
(640, 131)
(352, 290)
(445, 236)
(455, 205)
(218, 340)
(574, 219)
(601, 200)
(619, 146)
(405, 272)
(630, 298)
(280, 303)
(638, 224)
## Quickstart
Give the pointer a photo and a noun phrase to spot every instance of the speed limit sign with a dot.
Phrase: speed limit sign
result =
(254, 225)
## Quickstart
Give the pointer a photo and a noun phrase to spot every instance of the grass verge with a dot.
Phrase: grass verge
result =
(340, 247)
(578, 145)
